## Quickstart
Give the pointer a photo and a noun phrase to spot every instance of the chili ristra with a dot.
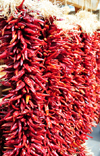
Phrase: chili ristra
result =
(51, 106)
(96, 47)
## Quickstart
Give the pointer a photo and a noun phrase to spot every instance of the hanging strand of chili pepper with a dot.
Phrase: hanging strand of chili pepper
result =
(96, 46)
(2, 23)
(51, 106)
(91, 69)
(98, 74)
(23, 128)
(59, 140)
(67, 88)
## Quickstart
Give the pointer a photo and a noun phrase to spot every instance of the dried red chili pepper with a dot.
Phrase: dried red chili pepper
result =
(52, 102)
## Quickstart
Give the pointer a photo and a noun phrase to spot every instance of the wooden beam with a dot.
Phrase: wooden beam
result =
(76, 9)
(89, 4)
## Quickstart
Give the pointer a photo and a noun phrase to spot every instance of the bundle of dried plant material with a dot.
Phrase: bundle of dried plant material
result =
(68, 22)
(88, 21)
(44, 7)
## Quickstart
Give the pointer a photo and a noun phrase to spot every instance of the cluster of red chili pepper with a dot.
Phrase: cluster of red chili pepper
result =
(97, 49)
(52, 104)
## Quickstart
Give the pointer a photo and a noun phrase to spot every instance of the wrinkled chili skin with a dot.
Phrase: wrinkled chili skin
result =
(51, 106)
